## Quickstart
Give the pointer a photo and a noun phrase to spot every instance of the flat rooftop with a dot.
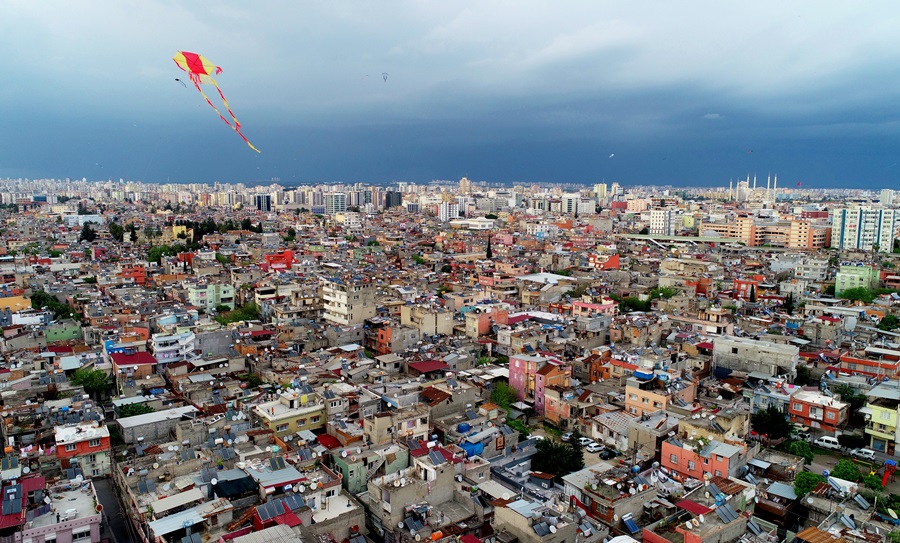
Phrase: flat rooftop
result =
(71, 502)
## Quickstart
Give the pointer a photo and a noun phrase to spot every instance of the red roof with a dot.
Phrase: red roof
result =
(693, 507)
(705, 345)
(623, 364)
(429, 366)
(257, 333)
(469, 538)
(328, 441)
(517, 319)
(59, 349)
(137, 358)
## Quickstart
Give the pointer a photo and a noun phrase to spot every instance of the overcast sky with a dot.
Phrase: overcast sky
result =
(654, 92)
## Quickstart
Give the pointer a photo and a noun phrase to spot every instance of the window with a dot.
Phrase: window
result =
(673, 458)
(92, 458)
(796, 407)
(657, 404)
(734, 350)
(301, 422)
(83, 535)
(70, 447)
(94, 443)
(281, 428)
(315, 419)
(691, 465)
(885, 415)
(632, 396)
(706, 461)
(645, 400)
(718, 473)
(829, 415)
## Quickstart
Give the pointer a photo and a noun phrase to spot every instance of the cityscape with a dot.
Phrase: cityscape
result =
(450, 361)
(460, 272)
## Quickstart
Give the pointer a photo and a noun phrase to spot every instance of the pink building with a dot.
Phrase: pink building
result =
(694, 458)
(529, 375)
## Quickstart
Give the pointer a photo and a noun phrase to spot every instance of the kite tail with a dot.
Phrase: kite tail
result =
(237, 124)
(235, 128)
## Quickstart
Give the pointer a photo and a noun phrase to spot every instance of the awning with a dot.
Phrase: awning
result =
(782, 490)
(759, 463)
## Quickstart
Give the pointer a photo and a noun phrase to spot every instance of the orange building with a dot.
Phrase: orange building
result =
(87, 443)
(694, 458)
(136, 273)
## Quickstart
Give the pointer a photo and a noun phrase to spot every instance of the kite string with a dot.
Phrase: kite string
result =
(237, 124)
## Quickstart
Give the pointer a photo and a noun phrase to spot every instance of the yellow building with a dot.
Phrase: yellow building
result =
(293, 411)
(882, 412)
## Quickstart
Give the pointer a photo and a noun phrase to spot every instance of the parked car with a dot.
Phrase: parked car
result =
(585, 441)
(828, 442)
(803, 436)
(566, 436)
(863, 454)
(594, 447)
(607, 454)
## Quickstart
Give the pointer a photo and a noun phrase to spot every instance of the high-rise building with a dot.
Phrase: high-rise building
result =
(448, 211)
(263, 202)
(392, 198)
(864, 228)
(600, 190)
(335, 202)
(887, 197)
(664, 222)
(465, 186)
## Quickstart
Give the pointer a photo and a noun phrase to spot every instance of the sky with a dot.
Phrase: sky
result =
(513, 91)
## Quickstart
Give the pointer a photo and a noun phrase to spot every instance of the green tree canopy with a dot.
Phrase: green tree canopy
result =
(116, 231)
(504, 395)
(87, 234)
(888, 323)
(858, 294)
(557, 458)
(806, 481)
(771, 422)
(846, 470)
(94, 382)
(802, 449)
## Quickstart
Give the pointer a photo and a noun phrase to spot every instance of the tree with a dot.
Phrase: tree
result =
(846, 470)
(771, 422)
(87, 233)
(644, 231)
(802, 449)
(803, 376)
(116, 231)
(752, 294)
(489, 253)
(94, 382)
(873, 482)
(132, 409)
(847, 394)
(504, 395)
(132, 233)
(556, 458)
(788, 305)
(806, 481)
(858, 294)
(888, 323)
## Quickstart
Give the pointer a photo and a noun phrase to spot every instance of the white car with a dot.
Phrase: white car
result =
(828, 442)
(863, 454)
(585, 441)
(594, 447)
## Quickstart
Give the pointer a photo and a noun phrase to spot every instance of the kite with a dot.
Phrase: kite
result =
(182, 82)
(201, 70)
(384, 76)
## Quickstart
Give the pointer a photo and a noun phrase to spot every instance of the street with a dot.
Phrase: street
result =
(117, 527)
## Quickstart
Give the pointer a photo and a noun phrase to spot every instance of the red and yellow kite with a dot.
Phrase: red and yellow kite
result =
(201, 70)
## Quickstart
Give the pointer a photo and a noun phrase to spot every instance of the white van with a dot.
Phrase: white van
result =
(828, 442)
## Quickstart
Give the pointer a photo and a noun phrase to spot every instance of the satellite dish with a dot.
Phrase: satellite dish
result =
(26, 470)
(687, 525)
(301, 489)
(167, 487)
(268, 449)
(809, 500)
(552, 529)
(343, 454)
(695, 522)
(400, 524)
(397, 484)
(402, 481)
(214, 482)
(892, 513)
(358, 450)
(702, 520)
(156, 465)
(615, 518)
